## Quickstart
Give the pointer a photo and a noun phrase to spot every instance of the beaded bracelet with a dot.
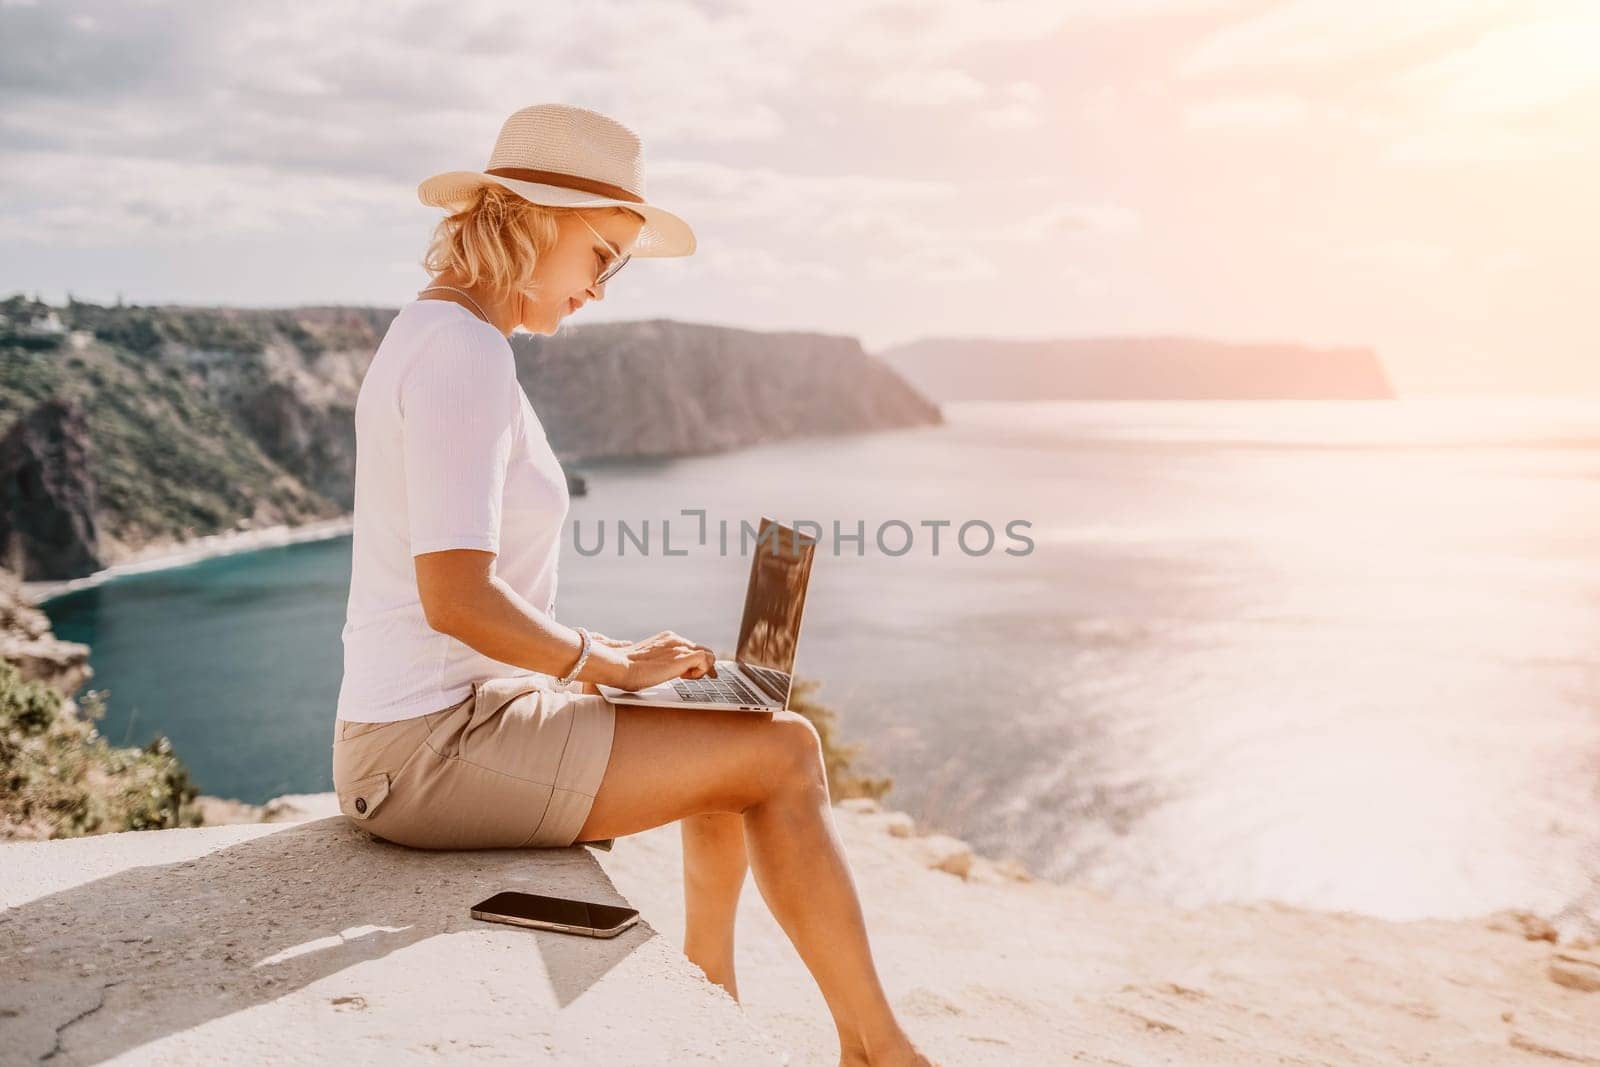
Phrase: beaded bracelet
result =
(571, 676)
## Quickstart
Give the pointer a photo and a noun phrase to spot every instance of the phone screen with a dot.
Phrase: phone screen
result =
(536, 908)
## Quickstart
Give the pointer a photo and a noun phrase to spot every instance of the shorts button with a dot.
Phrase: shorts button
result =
(361, 804)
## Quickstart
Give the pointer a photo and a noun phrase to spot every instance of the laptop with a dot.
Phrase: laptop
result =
(761, 674)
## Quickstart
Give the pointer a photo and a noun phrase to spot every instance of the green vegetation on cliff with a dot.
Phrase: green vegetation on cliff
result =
(164, 462)
(59, 777)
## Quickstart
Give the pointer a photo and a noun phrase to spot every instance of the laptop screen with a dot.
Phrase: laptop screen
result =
(770, 631)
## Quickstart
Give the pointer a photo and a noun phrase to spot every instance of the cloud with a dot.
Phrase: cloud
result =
(1515, 70)
(953, 263)
(763, 270)
(1062, 219)
(1013, 105)
(928, 88)
(796, 201)
(1304, 33)
(1512, 96)
(1398, 255)
(1082, 282)
(924, 31)
(1442, 83)
(886, 226)
(1274, 111)
(1460, 143)
(134, 200)
(327, 87)
(268, 119)
(892, 228)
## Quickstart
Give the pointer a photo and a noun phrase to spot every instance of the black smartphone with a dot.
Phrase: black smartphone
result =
(555, 913)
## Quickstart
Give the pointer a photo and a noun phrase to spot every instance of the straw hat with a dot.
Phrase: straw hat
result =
(564, 156)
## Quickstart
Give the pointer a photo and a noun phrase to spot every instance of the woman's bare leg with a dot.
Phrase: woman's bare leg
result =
(674, 763)
(714, 865)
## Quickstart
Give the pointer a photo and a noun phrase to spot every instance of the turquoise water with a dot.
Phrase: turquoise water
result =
(237, 659)
(1337, 654)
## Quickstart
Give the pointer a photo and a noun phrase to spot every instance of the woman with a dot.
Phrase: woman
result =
(452, 730)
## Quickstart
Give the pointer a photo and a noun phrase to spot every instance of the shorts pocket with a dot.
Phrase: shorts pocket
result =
(360, 798)
(349, 731)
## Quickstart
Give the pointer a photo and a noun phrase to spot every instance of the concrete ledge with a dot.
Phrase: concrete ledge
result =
(311, 941)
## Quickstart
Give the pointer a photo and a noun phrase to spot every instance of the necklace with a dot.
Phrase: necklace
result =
(453, 289)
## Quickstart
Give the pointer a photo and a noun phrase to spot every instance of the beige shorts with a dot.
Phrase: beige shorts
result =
(513, 765)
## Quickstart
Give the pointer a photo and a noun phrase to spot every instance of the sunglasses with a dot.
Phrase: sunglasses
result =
(618, 261)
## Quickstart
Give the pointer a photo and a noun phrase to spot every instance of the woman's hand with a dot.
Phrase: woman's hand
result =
(664, 657)
(614, 642)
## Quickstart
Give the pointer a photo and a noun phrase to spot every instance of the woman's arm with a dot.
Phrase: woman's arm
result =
(463, 597)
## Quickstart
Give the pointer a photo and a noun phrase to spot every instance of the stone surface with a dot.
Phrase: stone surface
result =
(941, 852)
(1530, 926)
(307, 942)
(312, 942)
(900, 824)
(1581, 972)
(1008, 973)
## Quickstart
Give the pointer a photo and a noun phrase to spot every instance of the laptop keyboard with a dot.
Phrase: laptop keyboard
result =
(729, 688)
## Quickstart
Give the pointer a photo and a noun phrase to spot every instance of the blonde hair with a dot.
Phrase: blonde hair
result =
(496, 239)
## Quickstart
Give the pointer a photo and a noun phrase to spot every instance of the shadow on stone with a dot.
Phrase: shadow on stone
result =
(106, 953)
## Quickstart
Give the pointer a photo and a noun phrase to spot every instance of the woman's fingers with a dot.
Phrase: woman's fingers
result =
(669, 639)
(702, 661)
(706, 666)
(687, 658)
(602, 639)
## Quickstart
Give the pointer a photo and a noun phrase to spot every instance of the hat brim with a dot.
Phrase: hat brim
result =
(663, 233)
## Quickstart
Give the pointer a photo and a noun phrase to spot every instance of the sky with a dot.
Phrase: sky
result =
(1411, 176)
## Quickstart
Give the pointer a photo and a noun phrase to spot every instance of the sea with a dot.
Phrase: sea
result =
(1343, 655)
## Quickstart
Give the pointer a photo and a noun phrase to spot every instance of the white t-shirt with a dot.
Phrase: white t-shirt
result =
(449, 454)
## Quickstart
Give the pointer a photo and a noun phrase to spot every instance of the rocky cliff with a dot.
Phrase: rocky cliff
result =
(1136, 368)
(124, 428)
(27, 642)
(47, 500)
(669, 388)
